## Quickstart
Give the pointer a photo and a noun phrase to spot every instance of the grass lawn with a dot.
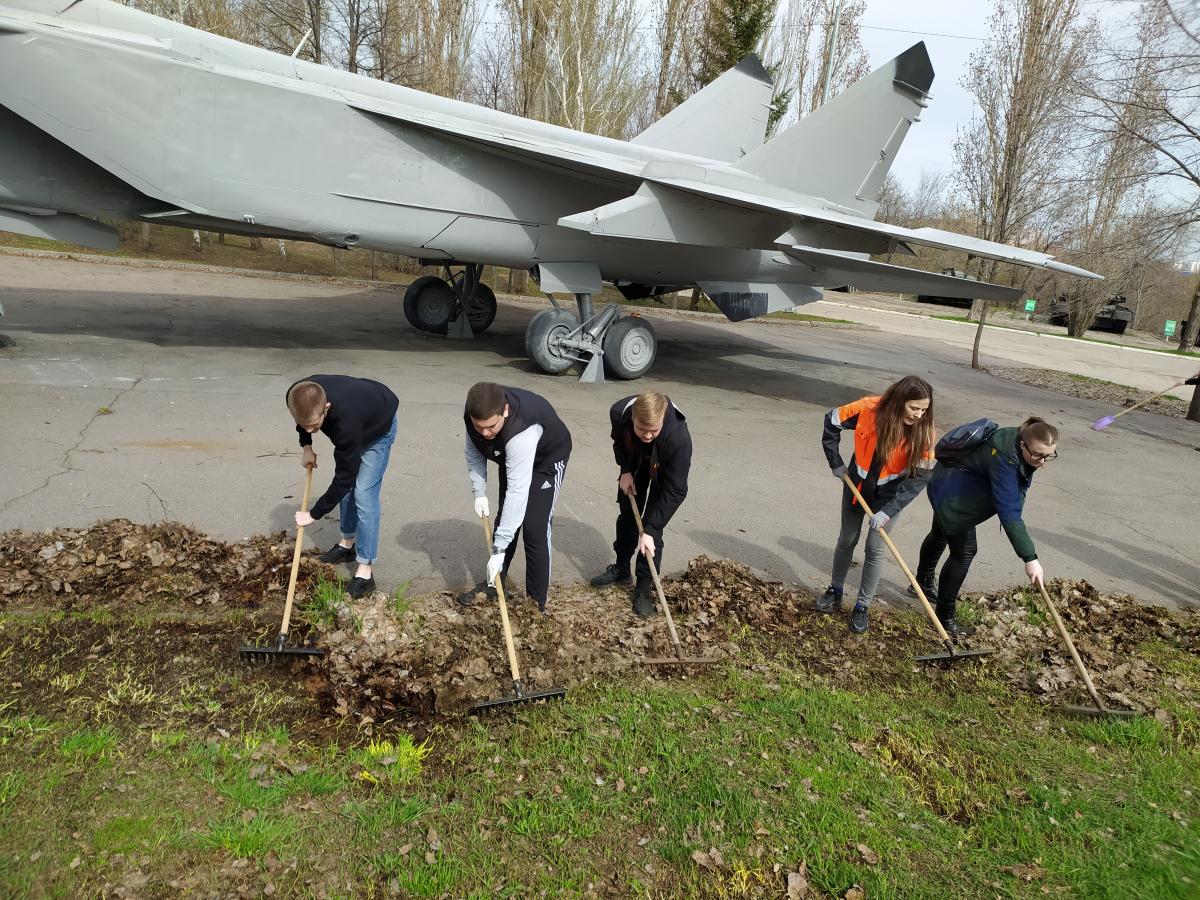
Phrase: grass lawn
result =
(161, 772)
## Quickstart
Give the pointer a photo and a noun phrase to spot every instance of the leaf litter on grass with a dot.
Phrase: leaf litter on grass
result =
(432, 656)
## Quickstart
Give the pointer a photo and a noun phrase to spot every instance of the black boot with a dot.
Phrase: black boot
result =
(643, 601)
(831, 600)
(614, 574)
(858, 619)
(928, 584)
(945, 614)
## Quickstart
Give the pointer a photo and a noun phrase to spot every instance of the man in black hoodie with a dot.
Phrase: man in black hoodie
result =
(359, 416)
(653, 449)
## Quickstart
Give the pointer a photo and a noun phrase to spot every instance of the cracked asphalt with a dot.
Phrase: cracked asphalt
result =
(153, 393)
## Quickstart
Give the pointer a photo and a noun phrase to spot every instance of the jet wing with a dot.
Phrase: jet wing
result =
(540, 147)
(832, 268)
(868, 231)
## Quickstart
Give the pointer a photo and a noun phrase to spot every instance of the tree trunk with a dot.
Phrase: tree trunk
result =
(374, 267)
(983, 311)
(695, 304)
(145, 237)
(255, 243)
(1187, 336)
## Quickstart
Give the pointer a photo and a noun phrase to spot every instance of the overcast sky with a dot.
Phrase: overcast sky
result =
(951, 30)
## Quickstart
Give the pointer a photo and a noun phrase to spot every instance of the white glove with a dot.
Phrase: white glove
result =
(646, 546)
(879, 520)
(494, 565)
(1033, 569)
(481, 507)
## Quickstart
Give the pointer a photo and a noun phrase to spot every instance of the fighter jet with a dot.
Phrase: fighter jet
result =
(106, 111)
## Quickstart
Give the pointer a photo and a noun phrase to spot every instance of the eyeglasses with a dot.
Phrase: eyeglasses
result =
(1039, 457)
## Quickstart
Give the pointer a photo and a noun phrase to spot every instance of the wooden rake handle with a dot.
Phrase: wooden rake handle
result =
(508, 638)
(912, 579)
(1149, 399)
(291, 592)
(662, 598)
(1062, 632)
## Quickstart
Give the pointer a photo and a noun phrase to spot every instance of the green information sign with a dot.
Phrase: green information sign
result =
(1030, 305)
(1169, 328)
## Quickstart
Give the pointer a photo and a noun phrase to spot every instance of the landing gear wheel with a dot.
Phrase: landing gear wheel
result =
(629, 348)
(542, 337)
(484, 311)
(429, 304)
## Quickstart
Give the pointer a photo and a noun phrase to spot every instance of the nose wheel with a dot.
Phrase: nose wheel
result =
(460, 306)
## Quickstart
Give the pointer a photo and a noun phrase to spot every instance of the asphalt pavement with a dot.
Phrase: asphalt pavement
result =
(152, 393)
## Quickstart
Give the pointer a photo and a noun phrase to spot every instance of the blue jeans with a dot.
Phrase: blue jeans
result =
(359, 509)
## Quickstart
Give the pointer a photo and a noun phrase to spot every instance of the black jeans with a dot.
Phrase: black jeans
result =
(627, 534)
(963, 548)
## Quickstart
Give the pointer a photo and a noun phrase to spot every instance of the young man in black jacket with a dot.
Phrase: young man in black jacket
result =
(359, 416)
(653, 449)
(523, 435)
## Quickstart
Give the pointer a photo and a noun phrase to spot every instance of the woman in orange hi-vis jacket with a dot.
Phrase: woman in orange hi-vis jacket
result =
(891, 464)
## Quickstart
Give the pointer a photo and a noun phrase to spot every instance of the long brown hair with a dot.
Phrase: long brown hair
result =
(890, 430)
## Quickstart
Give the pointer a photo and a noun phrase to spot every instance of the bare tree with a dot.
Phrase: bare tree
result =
(1010, 156)
(676, 30)
(801, 40)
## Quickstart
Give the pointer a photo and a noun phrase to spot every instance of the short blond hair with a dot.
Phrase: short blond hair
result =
(306, 401)
(649, 408)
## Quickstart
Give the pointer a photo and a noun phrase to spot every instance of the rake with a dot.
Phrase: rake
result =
(281, 651)
(679, 659)
(951, 655)
(1099, 710)
(1102, 423)
(519, 695)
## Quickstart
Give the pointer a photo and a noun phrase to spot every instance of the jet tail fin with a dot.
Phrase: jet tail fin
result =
(723, 121)
(842, 150)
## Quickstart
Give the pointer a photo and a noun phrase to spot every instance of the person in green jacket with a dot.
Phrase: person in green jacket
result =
(992, 480)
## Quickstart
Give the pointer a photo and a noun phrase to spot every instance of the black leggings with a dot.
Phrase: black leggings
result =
(962, 550)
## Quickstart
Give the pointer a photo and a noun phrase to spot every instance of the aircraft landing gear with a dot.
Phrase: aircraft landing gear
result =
(623, 347)
(437, 304)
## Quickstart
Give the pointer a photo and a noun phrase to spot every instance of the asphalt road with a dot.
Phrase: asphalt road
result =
(152, 393)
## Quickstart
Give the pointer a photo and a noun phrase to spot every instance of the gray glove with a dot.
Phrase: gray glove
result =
(879, 520)
(839, 472)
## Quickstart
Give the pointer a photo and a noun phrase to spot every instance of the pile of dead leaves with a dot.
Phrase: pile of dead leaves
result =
(1109, 631)
(118, 562)
(433, 655)
(723, 591)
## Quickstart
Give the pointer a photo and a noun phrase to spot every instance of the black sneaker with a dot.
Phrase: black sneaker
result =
(831, 600)
(858, 619)
(614, 574)
(360, 586)
(928, 585)
(468, 597)
(337, 554)
(643, 602)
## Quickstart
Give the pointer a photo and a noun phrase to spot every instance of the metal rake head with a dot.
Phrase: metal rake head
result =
(280, 651)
